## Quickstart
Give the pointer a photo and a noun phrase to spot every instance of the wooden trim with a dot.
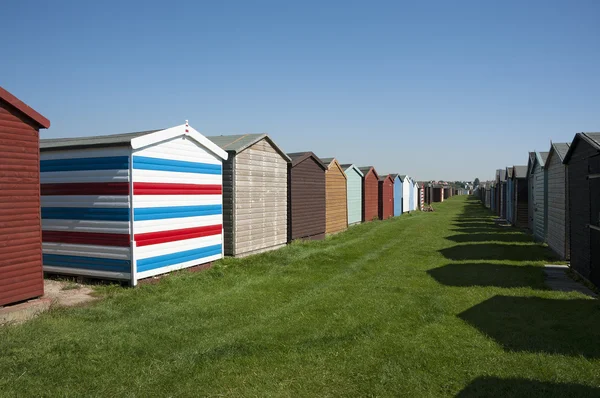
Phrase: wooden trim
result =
(595, 227)
(592, 176)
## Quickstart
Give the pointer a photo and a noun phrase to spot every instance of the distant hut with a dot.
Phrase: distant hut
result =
(386, 197)
(370, 193)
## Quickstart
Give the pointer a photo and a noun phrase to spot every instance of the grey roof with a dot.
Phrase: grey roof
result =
(297, 157)
(561, 149)
(502, 175)
(239, 142)
(591, 138)
(365, 169)
(327, 160)
(595, 137)
(544, 157)
(402, 176)
(520, 172)
(394, 175)
(509, 172)
(99, 140)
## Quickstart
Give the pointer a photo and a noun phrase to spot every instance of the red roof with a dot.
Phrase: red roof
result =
(24, 108)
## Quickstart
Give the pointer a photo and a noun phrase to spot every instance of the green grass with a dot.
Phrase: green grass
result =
(428, 304)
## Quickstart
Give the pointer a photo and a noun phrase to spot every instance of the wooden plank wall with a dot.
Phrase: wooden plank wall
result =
(557, 206)
(306, 200)
(539, 216)
(337, 199)
(260, 199)
(21, 275)
(370, 197)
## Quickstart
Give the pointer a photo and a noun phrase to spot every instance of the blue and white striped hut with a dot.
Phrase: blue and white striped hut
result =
(131, 206)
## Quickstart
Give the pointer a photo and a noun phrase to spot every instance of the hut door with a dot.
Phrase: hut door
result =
(594, 184)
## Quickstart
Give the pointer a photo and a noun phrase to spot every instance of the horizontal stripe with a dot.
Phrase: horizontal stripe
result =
(91, 188)
(101, 163)
(153, 238)
(93, 152)
(85, 201)
(174, 177)
(172, 268)
(142, 201)
(175, 223)
(147, 163)
(62, 177)
(91, 263)
(118, 227)
(72, 249)
(85, 213)
(161, 213)
(121, 276)
(176, 258)
(176, 247)
(86, 238)
(152, 188)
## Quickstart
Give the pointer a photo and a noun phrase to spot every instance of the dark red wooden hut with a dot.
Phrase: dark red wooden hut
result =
(386, 197)
(21, 275)
(306, 197)
(370, 193)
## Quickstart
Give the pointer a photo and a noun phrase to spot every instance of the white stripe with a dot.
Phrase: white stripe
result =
(69, 249)
(55, 177)
(141, 227)
(175, 177)
(115, 227)
(85, 201)
(178, 147)
(87, 272)
(187, 264)
(176, 247)
(145, 201)
(85, 153)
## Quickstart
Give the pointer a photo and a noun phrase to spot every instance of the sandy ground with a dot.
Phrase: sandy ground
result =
(67, 293)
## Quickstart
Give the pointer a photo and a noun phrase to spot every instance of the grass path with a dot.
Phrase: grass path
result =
(429, 304)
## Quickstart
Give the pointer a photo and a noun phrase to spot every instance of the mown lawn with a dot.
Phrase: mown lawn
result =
(430, 304)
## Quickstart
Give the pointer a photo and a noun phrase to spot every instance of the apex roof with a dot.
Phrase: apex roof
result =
(25, 109)
(240, 142)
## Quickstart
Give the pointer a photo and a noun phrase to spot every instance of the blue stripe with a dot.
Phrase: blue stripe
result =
(79, 164)
(177, 258)
(85, 213)
(162, 213)
(146, 163)
(90, 263)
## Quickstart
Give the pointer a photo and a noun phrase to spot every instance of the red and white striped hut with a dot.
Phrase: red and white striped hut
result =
(131, 206)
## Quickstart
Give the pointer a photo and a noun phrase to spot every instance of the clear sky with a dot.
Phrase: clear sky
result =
(433, 89)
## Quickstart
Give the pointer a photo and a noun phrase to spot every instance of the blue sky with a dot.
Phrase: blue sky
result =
(434, 89)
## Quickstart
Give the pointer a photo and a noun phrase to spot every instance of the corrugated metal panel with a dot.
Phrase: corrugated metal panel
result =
(354, 192)
(336, 211)
(557, 206)
(370, 196)
(85, 212)
(260, 199)
(173, 233)
(21, 275)
(306, 199)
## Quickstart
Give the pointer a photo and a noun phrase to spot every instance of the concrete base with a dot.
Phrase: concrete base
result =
(557, 279)
(22, 312)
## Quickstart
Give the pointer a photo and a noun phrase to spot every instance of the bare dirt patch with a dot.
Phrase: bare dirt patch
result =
(67, 293)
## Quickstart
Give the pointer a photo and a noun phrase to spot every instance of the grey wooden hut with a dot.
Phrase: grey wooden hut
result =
(583, 169)
(530, 191)
(539, 181)
(558, 189)
(255, 198)
(521, 196)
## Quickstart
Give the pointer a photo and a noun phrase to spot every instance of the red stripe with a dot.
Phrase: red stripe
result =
(153, 238)
(152, 188)
(86, 238)
(86, 188)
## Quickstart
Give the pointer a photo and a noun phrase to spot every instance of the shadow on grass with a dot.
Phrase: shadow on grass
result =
(490, 237)
(489, 274)
(490, 229)
(497, 251)
(467, 224)
(533, 324)
(497, 387)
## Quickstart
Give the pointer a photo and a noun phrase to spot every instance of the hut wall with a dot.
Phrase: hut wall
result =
(370, 197)
(336, 199)
(260, 199)
(397, 197)
(386, 198)
(539, 203)
(522, 202)
(557, 207)
(306, 200)
(354, 193)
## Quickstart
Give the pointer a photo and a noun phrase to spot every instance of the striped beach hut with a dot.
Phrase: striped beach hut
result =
(131, 206)
(354, 178)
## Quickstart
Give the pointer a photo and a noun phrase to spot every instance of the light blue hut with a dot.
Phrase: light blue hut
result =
(355, 196)
(411, 194)
(397, 195)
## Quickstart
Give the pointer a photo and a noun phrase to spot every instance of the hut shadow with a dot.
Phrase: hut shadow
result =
(497, 251)
(475, 230)
(488, 274)
(490, 237)
(497, 387)
(534, 324)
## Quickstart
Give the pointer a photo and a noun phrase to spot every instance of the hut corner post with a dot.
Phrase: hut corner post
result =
(132, 245)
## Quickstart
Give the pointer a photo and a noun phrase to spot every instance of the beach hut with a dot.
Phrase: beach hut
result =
(370, 193)
(405, 192)
(558, 189)
(254, 194)
(503, 193)
(539, 181)
(509, 194)
(307, 198)
(354, 180)
(386, 197)
(411, 194)
(438, 193)
(520, 197)
(530, 187)
(583, 169)
(416, 195)
(131, 206)
(336, 197)
(21, 275)
(397, 194)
